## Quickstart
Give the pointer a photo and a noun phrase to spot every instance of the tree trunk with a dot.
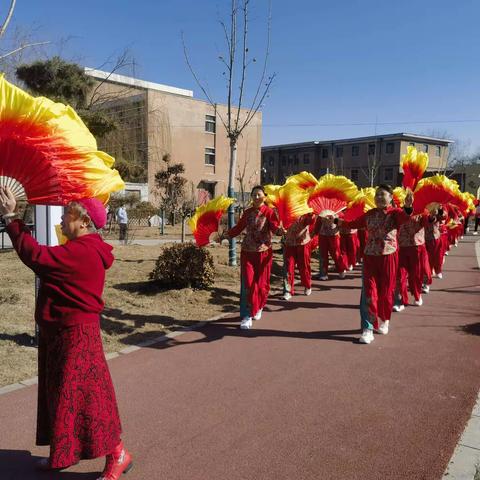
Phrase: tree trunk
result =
(232, 244)
(162, 225)
(183, 229)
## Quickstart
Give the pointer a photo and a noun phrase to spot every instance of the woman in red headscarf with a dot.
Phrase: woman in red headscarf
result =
(77, 411)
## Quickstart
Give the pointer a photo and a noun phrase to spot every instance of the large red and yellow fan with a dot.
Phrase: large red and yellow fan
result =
(47, 154)
(432, 192)
(289, 201)
(303, 180)
(399, 194)
(414, 164)
(362, 203)
(470, 198)
(206, 218)
(331, 195)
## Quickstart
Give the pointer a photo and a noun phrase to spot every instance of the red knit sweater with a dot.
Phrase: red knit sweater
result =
(72, 276)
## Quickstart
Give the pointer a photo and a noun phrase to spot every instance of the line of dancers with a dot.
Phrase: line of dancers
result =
(400, 253)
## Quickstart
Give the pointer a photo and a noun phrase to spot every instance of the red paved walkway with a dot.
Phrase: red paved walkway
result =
(297, 398)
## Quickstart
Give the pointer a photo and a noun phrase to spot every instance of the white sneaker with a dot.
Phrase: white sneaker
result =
(246, 323)
(440, 275)
(341, 275)
(367, 336)
(419, 302)
(398, 308)
(446, 253)
(350, 268)
(308, 291)
(258, 315)
(287, 296)
(475, 233)
(324, 277)
(383, 327)
(425, 289)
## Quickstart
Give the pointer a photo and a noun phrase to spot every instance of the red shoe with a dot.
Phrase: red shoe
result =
(117, 462)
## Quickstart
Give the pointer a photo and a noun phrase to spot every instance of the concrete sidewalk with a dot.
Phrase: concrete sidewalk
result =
(295, 398)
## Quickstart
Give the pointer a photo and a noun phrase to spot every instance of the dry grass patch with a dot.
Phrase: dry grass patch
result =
(135, 308)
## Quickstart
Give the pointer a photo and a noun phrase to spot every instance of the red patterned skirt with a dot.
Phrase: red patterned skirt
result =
(77, 409)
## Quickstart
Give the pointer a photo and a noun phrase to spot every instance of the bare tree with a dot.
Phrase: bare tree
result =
(373, 166)
(374, 162)
(19, 47)
(236, 63)
(245, 181)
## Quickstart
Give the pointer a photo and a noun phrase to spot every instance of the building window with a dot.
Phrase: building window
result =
(271, 161)
(388, 174)
(425, 148)
(210, 123)
(438, 151)
(295, 159)
(389, 147)
(355, 150)
(284, 160)
(290, 159)
(411, 144)
(339, 152)
(371, 149)
(209, 156)
(354, 174)
(324, 152)
(306, 158)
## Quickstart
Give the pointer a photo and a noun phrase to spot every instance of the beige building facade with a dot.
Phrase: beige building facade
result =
(368, 161)
(155, 120)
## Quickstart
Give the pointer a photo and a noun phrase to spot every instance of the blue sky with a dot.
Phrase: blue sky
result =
(349, 62)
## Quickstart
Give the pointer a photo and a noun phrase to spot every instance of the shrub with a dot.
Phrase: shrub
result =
(184, 265)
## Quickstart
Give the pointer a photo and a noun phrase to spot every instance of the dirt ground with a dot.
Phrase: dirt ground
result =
(134, 309)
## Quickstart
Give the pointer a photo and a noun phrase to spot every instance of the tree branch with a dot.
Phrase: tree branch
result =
(202, 88)
(22, 47)
(4, 26)
(121, 62)
(244, 60)
(264, 71)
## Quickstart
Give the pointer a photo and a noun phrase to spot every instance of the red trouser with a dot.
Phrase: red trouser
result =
(362, 240)
(349, 247)
(379, 277)
(411, 265)
(435, 254)
(427, 270)
(452, 236)
(444, 237)
(255, 272)
(331, 244)
(298, 255)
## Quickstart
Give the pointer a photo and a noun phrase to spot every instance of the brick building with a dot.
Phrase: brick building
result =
(365, 160)
(155, 120)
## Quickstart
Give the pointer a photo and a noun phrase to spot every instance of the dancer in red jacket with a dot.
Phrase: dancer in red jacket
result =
(77, 410)
(434, 243)
(329, 243)
(259, 222)
(380, 260)
(349, 244)
(412, 261)
(297, 252)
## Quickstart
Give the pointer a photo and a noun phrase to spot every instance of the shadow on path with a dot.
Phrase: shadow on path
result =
(20, 465)
(472, 328)
(219, 329)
